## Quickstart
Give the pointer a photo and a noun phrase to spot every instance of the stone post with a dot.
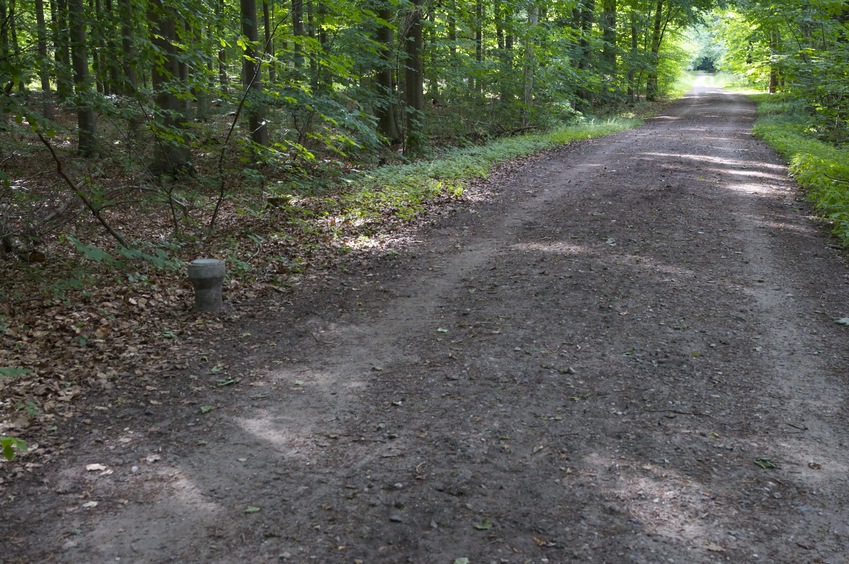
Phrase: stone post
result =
(207, 275)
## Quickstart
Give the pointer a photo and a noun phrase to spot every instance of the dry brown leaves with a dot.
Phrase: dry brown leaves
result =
(83, 328)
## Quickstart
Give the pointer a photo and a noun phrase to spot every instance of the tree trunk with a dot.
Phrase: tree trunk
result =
(452, 30)
(95, 42)
(43, 66)
(584, 16)
(129, 59)
(632, 75)
(171, 155)
(652, 87)
(64, 84)
(113, 65)
(252, 77)
(298, 32)
(529, 68)
(317, 17)
(87, 141)
(479, 45)
(223, 79)
(505, 49)
(608, 26)
(386, 107)
(20, 73)
(268, 48)
(414, 77)
(6, 70)
(774, 41)
(201, 86)
(41, 32)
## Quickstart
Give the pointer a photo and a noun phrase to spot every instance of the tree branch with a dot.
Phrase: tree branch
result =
(95, 211)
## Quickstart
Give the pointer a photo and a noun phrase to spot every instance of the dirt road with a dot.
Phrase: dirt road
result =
(624, 352)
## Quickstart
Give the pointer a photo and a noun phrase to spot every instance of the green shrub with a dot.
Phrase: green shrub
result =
(821, 169)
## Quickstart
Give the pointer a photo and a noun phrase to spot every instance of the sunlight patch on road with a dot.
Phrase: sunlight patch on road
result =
(289, 437)
(750, 188)
(640, 262)
(756, 168)
(805, 230)
(664, 502)
(132, 530)
(651, 265)
(558, 247)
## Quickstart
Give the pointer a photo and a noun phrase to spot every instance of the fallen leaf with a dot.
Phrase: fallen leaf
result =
(227, 382)
(484, 525)
(713, 547)
(89, 504)
(95, 467)
(842, 320)
(206, 408)
(252, 509)
(542, 542)
(765, 463)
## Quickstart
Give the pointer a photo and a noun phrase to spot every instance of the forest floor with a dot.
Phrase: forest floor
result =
(622, 350)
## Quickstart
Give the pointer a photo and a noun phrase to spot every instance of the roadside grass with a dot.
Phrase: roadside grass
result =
(404, 190)
(821, 169)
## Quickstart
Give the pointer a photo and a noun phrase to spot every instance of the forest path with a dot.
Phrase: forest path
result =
(628, 353)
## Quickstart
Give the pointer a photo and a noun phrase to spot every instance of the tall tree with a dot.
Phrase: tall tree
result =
(171, 154)
(252, 77)
(268, 47)
(86, 132)
(6, 68)
(386, 106)
(41, 34)
(62, 52)
(530, 65)
(129, 62)
(657, 32)
(608, 30)
(414, 76)
(298, 32)
(584, 16)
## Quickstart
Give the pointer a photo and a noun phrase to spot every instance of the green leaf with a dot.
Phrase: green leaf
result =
(484, 525)
(9, 444)
(206, 408)
(252, 509)
(842, 320)
(13, 371)
(91, 252)
(765, 463)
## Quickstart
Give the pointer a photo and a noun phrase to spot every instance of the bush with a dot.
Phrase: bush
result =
(821, 169)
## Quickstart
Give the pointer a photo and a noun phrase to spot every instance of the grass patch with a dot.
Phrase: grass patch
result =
(404, 190)
(821, 169)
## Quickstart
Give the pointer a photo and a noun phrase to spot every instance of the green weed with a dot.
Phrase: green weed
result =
(821, 169)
